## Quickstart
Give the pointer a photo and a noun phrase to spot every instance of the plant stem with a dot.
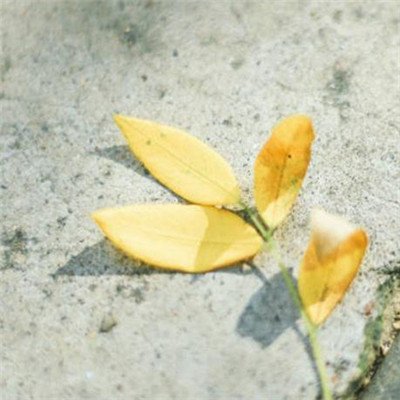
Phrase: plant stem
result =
(312, 329)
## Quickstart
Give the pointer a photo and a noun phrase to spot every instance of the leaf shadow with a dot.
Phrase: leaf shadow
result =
(269, 312)
(122, 154)
(103, 258)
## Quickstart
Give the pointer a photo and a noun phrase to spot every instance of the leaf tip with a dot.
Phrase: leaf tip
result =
(298, 123)
(120, 121)
(330, 230)
(98, 217)
(125, 124)
(117, 118)
(95, 217)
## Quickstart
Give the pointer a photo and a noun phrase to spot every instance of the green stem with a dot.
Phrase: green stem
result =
(312, 329)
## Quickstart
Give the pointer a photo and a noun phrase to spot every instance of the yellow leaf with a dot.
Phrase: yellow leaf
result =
(181, 162)
(188, 238)
(330, 263)
(280, 168)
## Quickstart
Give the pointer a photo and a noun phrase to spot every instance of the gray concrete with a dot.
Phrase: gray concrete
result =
(78, 319)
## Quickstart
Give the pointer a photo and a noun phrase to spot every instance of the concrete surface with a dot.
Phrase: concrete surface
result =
(78, 319)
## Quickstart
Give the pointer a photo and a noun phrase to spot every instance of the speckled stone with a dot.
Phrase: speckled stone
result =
(226, 72)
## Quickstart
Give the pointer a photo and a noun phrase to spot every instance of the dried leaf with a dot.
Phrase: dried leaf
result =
(280, 168)
(330, 263)
(188, 238)
(181, 162)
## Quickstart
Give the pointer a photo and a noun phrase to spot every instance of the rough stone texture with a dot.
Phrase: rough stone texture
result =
(386, 384)
(226, 72)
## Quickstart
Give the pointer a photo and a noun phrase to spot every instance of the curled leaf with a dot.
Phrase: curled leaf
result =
(181, 162)
(330, 263)
(188, 238)
(280, 168)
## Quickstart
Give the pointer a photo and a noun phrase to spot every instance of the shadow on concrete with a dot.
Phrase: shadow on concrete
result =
(124, 156)
(104, 259)
(269, 312)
